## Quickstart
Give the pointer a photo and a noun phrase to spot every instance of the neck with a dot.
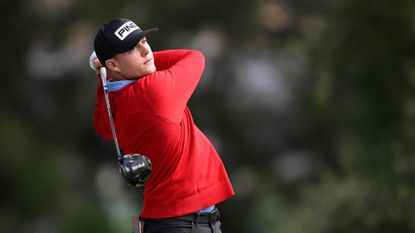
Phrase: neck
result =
(115, 76)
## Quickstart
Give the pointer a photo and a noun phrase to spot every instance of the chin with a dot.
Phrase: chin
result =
(151, 69)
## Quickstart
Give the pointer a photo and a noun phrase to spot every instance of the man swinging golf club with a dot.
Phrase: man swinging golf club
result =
(148, 93)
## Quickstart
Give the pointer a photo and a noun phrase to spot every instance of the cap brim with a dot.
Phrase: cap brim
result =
(135, 38)
(149, 32)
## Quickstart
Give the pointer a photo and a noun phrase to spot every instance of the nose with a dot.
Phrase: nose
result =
(144, 50)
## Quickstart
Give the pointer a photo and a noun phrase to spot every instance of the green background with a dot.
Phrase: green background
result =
(310, 104)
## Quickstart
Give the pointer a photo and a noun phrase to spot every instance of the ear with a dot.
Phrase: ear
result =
(112, 65)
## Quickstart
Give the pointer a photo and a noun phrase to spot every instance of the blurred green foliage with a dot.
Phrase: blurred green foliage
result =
(311, 105)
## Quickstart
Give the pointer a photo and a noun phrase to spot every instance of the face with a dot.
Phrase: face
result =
(135, 63)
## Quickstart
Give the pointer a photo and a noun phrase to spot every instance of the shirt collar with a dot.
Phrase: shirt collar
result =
(118, 85)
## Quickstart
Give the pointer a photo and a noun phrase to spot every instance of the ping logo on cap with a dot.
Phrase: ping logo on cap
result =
(126, 29)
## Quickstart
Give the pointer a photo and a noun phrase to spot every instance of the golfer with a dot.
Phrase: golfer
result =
(149, 94)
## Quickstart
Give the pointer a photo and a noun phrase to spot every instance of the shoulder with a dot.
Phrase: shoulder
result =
(178, 52)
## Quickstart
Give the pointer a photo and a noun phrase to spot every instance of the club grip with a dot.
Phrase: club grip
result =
(103, 73)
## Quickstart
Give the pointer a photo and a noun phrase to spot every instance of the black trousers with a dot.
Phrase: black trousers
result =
(192, 223)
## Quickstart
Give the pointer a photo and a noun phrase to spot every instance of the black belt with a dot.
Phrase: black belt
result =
(197, 217)
(211, 217)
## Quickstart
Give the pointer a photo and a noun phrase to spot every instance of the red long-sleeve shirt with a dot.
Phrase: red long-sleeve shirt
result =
(152, 118)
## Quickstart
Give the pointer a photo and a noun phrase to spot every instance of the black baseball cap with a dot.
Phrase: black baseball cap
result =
(118, 36)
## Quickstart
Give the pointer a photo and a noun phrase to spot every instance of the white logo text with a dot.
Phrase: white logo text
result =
(125, 30)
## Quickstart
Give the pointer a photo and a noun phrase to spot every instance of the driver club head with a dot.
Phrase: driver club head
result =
(135, 169)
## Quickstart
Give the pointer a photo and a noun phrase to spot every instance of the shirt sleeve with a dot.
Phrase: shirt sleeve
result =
(171, 86)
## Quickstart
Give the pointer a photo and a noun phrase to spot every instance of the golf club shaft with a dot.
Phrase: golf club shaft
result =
(103, 73)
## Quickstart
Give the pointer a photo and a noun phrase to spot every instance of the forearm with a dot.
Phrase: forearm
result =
(171, 88)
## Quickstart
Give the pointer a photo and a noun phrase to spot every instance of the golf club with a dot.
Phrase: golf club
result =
(134, 168)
